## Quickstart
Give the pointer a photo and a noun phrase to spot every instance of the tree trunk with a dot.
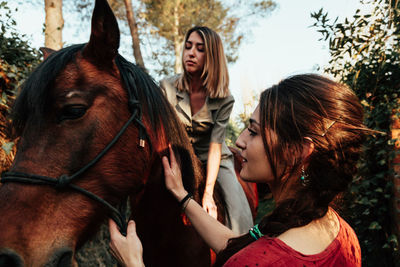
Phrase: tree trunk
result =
(134, 33)
(54, 24)
(177, 40)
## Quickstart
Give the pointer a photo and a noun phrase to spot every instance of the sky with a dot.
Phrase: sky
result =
(280, 45)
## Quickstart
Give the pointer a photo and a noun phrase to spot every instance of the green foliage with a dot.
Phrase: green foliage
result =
(17, 59)
(232, 133)
(365, 54)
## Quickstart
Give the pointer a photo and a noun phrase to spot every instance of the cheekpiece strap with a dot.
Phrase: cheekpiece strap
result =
(255, 232)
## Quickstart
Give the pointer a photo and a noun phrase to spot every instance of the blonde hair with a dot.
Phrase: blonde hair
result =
(215, 71)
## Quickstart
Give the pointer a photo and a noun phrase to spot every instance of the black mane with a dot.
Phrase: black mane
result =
(31, 102)
(30, 105)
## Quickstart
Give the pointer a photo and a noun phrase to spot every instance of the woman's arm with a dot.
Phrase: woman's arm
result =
(213, 162)
(215, 234)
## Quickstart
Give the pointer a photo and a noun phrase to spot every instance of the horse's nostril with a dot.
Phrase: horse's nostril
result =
(9, 258)
(65, 260)
(61, 258)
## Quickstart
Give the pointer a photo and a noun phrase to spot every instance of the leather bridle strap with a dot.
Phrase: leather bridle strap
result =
(64, 181)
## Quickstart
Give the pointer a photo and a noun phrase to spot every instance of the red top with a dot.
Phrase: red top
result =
(344, 251)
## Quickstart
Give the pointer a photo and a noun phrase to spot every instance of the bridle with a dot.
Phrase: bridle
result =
(65, 181)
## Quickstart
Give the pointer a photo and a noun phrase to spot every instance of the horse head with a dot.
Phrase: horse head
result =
(90, 121)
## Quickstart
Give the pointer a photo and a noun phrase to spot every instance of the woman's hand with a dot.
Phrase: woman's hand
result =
(209, 205)
(128, 251)
(173, 176)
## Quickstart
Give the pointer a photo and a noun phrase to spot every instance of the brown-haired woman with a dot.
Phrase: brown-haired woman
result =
(203, 103)
(303, 141)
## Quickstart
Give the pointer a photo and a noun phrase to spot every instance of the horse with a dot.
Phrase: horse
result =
(93, 128)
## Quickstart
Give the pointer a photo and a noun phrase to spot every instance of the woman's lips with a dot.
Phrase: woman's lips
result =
(241, 158)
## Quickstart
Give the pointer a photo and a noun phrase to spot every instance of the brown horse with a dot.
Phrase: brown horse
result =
(93, 130)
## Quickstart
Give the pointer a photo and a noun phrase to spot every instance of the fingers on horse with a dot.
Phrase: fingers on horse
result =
(115, 234)
(172, 157)
(165, 163)
(112, 226)
(131, 228)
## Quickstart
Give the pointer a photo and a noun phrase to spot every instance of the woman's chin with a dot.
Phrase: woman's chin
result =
(244, 177)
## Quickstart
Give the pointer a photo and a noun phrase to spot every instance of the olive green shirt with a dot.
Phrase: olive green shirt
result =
(207, 125)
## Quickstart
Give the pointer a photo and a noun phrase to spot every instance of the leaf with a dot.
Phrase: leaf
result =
(7, 147)
(393, 239)
(375, 226)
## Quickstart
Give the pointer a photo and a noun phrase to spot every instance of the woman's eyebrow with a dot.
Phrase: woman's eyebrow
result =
(190, 42)
(253, 121)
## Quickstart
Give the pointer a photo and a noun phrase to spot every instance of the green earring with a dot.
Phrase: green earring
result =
(303, 177)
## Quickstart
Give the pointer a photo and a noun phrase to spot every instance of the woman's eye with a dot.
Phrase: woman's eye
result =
(188, 46)
(200, 49)
(252, 133)
(72, 112)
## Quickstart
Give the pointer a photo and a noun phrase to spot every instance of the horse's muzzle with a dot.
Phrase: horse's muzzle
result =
(61, 258)
(9, 258)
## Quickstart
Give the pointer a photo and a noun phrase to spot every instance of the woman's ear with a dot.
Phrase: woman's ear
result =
(308, 148)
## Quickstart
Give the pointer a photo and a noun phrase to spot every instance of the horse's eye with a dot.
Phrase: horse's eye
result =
(72, 112)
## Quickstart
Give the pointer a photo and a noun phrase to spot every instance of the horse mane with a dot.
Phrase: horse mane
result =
(163, 120)
(30, 106)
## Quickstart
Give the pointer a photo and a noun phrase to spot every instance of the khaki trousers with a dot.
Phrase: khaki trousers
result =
(239, 218)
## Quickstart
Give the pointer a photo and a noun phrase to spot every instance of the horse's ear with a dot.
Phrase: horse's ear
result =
(104, 38)
(46, 52)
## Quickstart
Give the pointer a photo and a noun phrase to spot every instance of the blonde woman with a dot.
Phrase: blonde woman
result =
(203, 103)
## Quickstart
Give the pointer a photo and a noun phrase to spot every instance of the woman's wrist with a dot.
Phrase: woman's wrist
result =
(209, 191)
(180, 195)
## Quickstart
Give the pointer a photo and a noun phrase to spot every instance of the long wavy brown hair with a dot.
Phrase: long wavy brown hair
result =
(331, 115)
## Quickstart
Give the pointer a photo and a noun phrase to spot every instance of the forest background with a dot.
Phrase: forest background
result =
(361, 49)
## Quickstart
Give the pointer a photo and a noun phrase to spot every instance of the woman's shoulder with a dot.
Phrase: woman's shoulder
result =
(348, 240)
(170, 81)
(168, 86)
(267, 251)
(222, 101)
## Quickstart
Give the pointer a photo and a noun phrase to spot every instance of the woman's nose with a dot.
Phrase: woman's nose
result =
(192, 51)
(240, 142)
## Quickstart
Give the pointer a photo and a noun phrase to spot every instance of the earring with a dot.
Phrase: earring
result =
(303, 177)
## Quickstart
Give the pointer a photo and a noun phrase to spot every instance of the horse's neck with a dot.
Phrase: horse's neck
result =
(167, 241)
(154, 195)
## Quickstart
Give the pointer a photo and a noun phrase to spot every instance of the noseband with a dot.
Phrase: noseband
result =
(64, 181)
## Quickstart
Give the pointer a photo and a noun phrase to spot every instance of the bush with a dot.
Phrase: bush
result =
(365, 54)
(17, 59)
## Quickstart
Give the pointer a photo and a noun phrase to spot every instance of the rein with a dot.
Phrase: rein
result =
(64, 181)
